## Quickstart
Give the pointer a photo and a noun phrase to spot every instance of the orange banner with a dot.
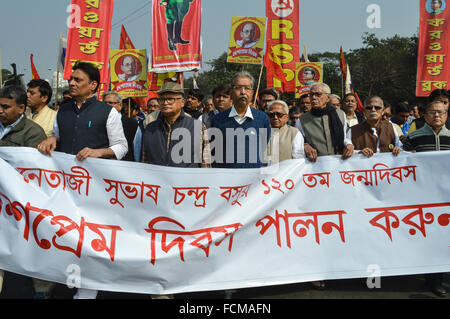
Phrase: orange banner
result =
(433, 68)
(89, 36)
(282, 39)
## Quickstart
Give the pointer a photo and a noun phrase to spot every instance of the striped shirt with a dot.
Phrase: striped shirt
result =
(426, 140)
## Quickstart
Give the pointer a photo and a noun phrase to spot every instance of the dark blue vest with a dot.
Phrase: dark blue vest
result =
(84, 127)
(162, 148)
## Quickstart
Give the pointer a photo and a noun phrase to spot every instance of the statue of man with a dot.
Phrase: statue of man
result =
(176, 10)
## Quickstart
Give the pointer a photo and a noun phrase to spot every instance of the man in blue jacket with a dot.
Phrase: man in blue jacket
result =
(245, 130)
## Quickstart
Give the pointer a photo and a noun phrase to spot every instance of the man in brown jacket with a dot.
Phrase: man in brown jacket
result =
(374, 134)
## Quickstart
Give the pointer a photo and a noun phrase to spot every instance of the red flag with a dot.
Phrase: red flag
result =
(342, 64)
(273, 64)
(34, 72)
(282, 32)
(125, 41)
(433, 67)
(359, 105)
(176, 36)
(89, 40)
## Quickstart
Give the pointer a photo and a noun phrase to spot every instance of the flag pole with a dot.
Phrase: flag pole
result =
(57, 86)
(259, 82)
(58, 69)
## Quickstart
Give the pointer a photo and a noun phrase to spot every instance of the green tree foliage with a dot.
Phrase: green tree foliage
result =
(385, 67)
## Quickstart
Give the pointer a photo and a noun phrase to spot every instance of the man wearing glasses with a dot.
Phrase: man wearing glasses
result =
(288, 138)
(245, 131)
(324, 127)
(129, 125)
(174, 138)
(374, 135)
(433, 136)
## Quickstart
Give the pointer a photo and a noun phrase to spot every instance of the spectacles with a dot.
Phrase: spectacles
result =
(278, 114)
(370, 107)
(433, 112)
(113, 102)
(170, 100)
(386, 115)
(240, 87)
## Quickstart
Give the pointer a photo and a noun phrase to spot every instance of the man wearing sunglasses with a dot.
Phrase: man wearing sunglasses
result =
(289, 139)
(374, 135)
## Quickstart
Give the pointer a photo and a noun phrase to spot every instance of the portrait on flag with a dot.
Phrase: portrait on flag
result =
(246, 40)
(435, 6)
(307, 73)
(176, 26)
(129, 72)
(433, 69)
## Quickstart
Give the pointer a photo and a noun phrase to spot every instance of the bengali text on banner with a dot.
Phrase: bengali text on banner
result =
(135, 227)
(89, 36)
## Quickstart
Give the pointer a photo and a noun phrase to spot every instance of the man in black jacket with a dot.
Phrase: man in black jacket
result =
(129, 125)
(86, 127)
(165, 138)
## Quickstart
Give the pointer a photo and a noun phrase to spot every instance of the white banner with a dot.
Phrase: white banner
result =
(131, 227)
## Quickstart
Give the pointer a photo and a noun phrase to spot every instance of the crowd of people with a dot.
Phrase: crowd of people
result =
(319, 124)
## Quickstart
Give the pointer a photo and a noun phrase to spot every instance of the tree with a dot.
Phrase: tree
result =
(221, 72)
(385, 67)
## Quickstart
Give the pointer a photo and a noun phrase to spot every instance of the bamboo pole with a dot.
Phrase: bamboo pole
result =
(257, 87)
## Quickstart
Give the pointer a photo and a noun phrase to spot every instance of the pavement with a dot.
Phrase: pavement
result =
(398, 287)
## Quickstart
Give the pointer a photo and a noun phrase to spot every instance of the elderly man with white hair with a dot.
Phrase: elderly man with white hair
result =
(324, 127)
(285, 138)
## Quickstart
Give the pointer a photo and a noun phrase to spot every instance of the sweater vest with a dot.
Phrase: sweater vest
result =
(176, 145)
(83, 127)
(362, 137)
(317, 132)
(286, 137)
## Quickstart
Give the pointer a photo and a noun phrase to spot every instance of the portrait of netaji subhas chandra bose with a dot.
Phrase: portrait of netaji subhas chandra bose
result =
(247, 35)
(435, 6)
(308, 76)
(128, 68)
